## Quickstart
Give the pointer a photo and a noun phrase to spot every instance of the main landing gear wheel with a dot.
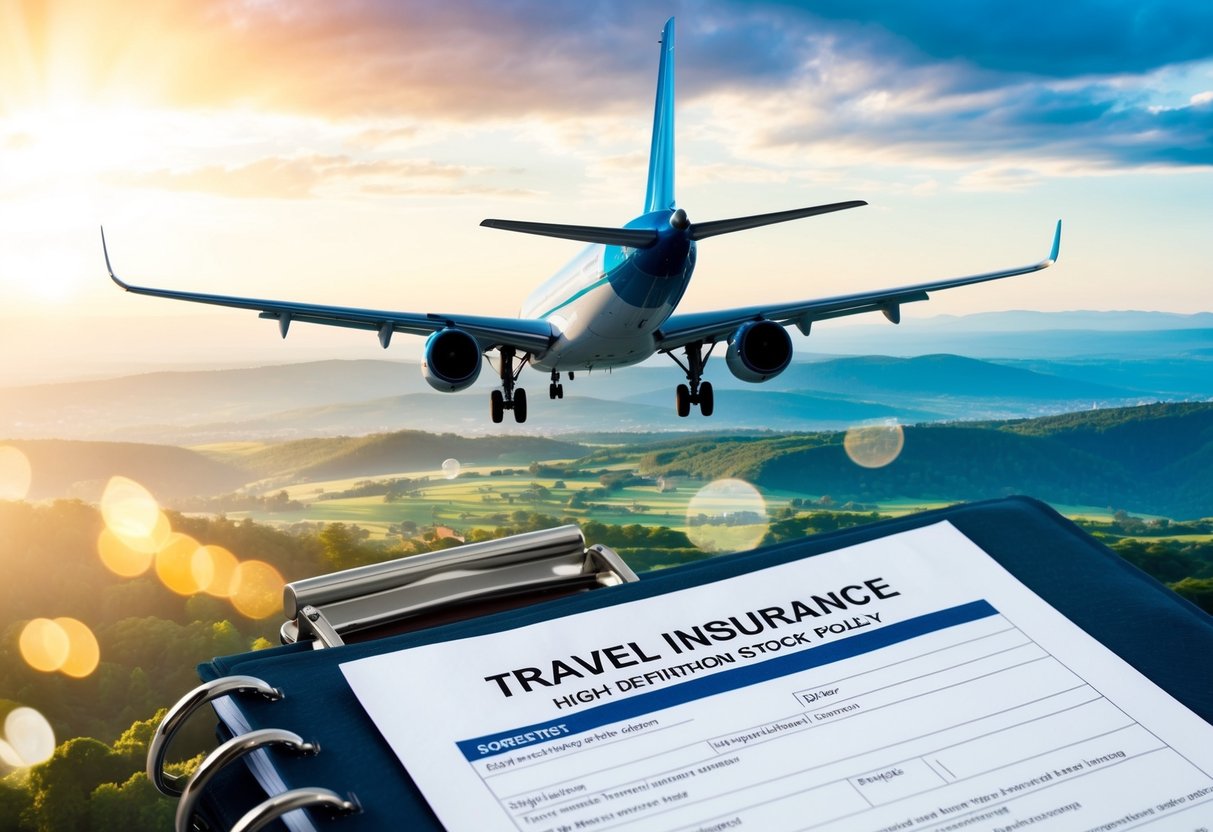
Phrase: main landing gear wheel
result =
(509, 397)
(696, 391)
(555, 391)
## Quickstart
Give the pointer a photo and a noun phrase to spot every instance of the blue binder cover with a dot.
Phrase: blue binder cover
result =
(1162, 635)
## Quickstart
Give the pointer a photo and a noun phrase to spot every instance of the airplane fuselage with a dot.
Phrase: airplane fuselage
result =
(608, 301)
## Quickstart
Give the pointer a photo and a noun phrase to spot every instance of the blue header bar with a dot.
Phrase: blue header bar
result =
(504, 742)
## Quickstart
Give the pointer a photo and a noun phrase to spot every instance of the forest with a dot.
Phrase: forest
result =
(151, 639)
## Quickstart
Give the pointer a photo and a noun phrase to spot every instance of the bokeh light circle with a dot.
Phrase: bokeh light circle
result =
(84, 654)
(130, 511)
(16, 475)
(175, 565)
(28, 738)
(727, 515)
(9, 756)
(213, 568)
(450, 468)
(119, 557)
(154, 540)
(44, 645)
(257, 589)
(874, 446)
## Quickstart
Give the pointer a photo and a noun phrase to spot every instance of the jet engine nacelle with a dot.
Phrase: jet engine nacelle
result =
(451, 360)
(759, 350)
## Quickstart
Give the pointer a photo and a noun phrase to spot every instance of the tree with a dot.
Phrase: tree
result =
(1197, 590)
(133, 805)
(15, 808)
(61, 786)
(344, 547)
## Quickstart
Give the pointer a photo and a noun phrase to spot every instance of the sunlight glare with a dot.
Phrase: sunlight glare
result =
(727, 515)
(257, 589)
(874, 446)
(450, 468)
(15, 473)
(44, 645)
(28, 738)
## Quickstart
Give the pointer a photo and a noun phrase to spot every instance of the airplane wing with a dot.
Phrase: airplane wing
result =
(525, 334)
(709, 327)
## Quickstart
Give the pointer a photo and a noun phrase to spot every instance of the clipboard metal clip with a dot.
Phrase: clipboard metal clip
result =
(448, 585)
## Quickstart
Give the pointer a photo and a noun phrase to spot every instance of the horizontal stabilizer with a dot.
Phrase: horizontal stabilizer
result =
(700, 230)
(629, 237)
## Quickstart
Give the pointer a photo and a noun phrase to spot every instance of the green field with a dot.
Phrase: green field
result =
(484, 502)
(484, 498)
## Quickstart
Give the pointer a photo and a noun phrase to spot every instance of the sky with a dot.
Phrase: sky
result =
(344, 151)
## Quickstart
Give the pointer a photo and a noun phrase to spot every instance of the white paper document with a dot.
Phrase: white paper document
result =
(908, 683)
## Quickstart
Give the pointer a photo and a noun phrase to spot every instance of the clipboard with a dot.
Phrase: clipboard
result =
(336, 761)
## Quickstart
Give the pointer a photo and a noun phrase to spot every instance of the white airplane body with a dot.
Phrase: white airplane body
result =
(615, 303)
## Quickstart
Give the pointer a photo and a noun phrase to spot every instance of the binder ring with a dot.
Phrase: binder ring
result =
(170, 784)
(278, 805)
(230, 751)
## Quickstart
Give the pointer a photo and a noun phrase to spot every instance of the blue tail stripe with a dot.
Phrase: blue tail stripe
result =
(660, 196)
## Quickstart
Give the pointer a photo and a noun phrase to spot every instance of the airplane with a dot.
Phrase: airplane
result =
(615, 303)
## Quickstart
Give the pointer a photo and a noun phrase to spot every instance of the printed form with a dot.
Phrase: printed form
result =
(909, 683)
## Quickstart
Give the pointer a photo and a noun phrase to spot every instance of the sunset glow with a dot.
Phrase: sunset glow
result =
(266, 147)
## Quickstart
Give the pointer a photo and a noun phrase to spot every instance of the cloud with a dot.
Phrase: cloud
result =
(1041, 37)
(952, 79)
(304, 177)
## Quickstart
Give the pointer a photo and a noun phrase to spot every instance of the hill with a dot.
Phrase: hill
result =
(68, 468)
(1152, 459)
(386, 453)
(947, 375)
(328, 398)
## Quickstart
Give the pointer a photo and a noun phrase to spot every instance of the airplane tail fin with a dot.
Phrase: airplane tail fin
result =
(660, 195)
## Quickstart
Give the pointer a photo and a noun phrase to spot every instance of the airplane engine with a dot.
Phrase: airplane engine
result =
(451, 360)
(759, 350)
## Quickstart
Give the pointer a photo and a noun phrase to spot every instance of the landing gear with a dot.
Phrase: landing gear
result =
(696, 392)
(556, 389)
(509, 397)
(707, 399)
